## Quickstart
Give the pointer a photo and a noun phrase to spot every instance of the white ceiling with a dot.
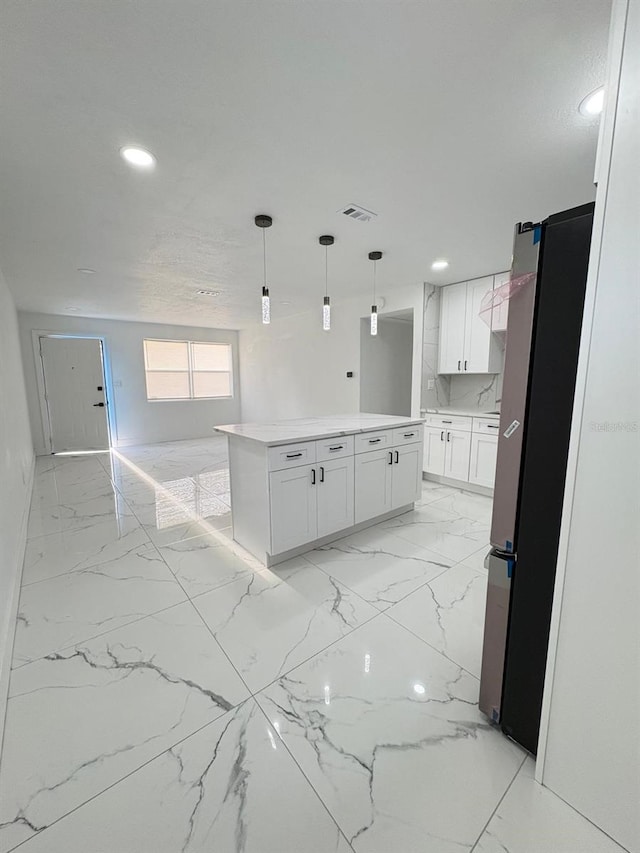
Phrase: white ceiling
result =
(452, 119)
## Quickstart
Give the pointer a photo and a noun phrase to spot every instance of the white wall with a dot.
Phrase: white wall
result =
(16, 473)
(385, 366)
(292, 368)
(135, 420)
(590, 745)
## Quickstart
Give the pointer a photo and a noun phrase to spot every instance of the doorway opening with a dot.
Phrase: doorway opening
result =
(74, 400)
(386, 364)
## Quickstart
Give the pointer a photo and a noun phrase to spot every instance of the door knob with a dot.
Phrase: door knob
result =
(98, 404)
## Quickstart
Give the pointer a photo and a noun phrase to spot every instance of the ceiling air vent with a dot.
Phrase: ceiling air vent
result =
(354, 211)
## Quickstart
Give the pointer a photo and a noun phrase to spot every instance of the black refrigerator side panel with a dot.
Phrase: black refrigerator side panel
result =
(554, 356)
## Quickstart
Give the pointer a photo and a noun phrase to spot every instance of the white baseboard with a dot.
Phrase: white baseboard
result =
(459, 484)
(6, 642)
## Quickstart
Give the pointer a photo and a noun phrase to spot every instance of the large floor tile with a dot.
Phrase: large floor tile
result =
(532, 819)
(44, 520)
(446, 533)
(79, 720)
(389, 734)
(448, 613)
(204, 563)
(467, 504)
(230, 787)
(76, 606)
(379, 566)
(48, 492)
(70, 550)
(432, 491)
(272, 620)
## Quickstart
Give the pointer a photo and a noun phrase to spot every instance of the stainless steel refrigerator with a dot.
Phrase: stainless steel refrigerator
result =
(548, 277)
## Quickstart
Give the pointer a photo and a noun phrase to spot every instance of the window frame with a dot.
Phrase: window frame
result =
(189, 371)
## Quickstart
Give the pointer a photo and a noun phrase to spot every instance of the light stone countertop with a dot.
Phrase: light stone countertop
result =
(469, 413)
(308, 429)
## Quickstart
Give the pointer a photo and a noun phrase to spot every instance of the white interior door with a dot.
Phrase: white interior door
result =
(74, 392)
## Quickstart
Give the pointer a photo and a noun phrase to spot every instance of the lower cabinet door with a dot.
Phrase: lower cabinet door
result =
(406, 477)
(293, 497)
(372, 484)
(434, 449)
(457, 454)
(484, 453)
(335, 495)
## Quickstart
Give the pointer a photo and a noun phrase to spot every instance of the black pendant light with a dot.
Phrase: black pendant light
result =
(326, 240)
(375, 257)
(263, 221)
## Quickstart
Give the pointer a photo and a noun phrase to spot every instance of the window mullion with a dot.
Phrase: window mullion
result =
(191, 392)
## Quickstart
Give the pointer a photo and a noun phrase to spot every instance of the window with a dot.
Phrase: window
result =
(187, 370)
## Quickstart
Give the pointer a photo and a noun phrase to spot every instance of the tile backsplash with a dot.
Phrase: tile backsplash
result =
(469, 391)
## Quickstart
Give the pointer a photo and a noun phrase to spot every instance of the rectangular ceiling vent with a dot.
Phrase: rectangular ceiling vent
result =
(354, 211)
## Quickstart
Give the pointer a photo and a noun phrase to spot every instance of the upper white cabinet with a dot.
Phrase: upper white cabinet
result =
(453, 308)
(466, 343)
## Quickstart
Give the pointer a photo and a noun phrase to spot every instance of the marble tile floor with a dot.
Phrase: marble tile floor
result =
(171, 694)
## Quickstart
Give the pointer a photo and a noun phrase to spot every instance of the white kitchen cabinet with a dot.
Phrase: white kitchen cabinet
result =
(294, 507)
(406, 475)
(434, 450)
(457, 454)
(453, 306)
(298, 484)
(484, 453)
(500, 311)
(335, 495)
(466, 344)
(372, 484)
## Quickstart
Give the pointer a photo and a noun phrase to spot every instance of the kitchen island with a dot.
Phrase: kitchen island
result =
(297, 484)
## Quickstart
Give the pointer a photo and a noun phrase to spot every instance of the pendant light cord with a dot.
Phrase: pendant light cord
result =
(326, 270)
(264, 255)
(375, 263)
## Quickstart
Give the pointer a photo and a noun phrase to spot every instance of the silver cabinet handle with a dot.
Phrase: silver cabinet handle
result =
(313, 476)
(293, 455)
(337, 447)
(374, 440)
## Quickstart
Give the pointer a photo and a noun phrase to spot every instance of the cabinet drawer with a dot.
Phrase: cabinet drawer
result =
(373, 440)
(407, 435)
(291, 455)
(334, 448)
(449, 422)
(489, 425)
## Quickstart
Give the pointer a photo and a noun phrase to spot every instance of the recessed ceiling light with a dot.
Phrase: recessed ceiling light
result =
(593, 103)
(208, 292)
(419, 688)
(86, 270)
(440, 265)
(139, 157)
